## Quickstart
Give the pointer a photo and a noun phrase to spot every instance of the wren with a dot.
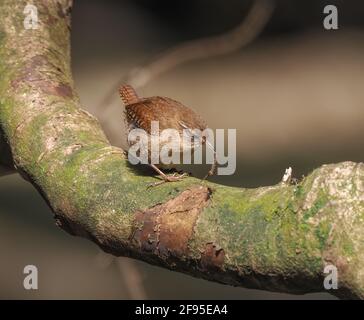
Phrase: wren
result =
(170, 114)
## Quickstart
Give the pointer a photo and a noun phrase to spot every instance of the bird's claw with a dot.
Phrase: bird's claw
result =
(173, 178)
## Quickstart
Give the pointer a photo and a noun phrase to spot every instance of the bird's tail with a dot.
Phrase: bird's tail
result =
(128, 94)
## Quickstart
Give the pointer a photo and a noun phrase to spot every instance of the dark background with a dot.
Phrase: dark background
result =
(295, 96)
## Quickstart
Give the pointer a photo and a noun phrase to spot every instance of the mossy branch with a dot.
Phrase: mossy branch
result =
(276, 238)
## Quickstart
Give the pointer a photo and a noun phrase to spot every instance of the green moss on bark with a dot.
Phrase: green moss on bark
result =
(272, 238)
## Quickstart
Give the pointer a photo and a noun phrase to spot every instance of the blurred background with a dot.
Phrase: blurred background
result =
(294, 94)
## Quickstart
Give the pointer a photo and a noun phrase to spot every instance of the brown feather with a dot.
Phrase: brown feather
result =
(128, 94)
(168, 112)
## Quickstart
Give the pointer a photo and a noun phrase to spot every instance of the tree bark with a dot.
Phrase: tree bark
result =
(277, 238)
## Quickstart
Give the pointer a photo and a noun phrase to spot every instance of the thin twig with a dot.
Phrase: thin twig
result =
(129, 272)
(251, 26)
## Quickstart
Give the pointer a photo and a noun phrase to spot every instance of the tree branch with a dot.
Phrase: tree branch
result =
(276, 238)
(250, 27)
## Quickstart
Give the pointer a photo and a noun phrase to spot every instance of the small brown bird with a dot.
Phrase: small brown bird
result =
(170, 114)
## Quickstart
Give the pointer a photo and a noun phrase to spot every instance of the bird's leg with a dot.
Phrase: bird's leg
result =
(165, 178)
(214, 164)
(212, 170)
